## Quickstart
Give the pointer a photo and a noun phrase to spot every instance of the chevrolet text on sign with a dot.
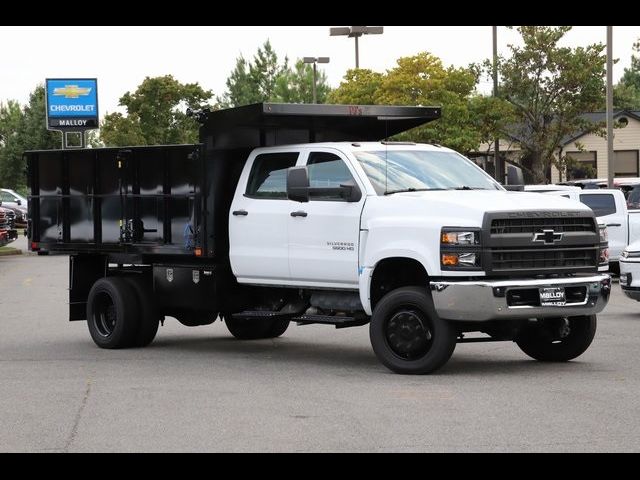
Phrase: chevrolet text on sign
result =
(72, 104)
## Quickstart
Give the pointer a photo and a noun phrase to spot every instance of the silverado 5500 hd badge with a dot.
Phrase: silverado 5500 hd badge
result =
(349, 246)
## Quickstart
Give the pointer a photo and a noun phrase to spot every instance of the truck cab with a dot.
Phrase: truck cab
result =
(311, 215)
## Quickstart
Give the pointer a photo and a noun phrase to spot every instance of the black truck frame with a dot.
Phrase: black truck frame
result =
(159, 214)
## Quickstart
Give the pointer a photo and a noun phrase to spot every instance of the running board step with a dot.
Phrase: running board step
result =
(256, 314)
(337, 320)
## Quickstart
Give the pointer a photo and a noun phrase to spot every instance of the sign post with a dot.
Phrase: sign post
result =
(72, 107)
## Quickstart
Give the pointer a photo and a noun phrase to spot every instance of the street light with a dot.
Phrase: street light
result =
(315, 61)
(356, 32)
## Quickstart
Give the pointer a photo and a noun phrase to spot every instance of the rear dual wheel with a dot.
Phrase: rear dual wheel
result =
(121, 313)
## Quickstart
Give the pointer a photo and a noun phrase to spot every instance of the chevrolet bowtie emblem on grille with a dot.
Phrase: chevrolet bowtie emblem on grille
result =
(548, 237)
(71, 91)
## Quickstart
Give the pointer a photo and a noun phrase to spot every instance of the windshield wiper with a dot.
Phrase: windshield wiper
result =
(466, 187)
(405, 190)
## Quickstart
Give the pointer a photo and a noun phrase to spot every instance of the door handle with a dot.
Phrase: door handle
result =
(240, 213)
(614, 224)
(299, 213)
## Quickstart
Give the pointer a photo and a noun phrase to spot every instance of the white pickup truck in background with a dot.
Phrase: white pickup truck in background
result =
(610, 207)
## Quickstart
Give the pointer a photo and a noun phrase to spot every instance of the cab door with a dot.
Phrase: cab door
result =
(324, 233)
(259, 220)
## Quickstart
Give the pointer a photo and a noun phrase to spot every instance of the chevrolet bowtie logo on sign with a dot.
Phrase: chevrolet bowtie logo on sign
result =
(72, 104)
(548, 237)
(71, 91)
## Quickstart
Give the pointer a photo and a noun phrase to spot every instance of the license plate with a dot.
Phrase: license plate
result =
(552, 297)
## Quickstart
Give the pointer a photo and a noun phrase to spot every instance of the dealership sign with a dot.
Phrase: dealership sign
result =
(72, 104)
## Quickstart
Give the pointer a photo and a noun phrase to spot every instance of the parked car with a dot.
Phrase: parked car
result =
(7, 232)
(550, 188)
(19, 215)
(630, 271)
(10, 198)
(610, 207)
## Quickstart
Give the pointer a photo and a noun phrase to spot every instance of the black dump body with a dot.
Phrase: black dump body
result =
(167, 201)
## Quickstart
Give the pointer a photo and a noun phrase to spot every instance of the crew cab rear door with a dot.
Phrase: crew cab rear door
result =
(258, 221)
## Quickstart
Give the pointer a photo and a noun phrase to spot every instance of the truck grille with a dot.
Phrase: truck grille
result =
(534, 225)
(505, 260)
(541, 243)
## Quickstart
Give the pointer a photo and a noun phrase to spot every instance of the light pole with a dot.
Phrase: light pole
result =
(315, 61)
(498, 164)
(610, 153)
(356, 32)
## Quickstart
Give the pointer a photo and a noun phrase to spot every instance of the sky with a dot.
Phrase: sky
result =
(121, 57)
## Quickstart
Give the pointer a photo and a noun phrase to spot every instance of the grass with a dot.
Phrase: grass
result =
(9, 251)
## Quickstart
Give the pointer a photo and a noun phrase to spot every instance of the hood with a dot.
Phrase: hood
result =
(495, 201)
(466, 207)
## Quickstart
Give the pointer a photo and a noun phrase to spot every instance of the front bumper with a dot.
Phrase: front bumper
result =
(490, 300)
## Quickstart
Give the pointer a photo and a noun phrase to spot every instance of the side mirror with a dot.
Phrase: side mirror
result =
(515, 178)
(351, 192)
(18, 201)
(298, 184)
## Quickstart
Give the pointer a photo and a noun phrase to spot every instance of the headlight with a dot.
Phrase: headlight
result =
(460, 249)
(466, 237)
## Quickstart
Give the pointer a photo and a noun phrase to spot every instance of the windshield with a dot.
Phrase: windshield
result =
(396, 171)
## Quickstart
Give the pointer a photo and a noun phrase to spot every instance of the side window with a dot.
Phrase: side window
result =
(600, 204)
(6, 197)
(268, 178)
(327, 170)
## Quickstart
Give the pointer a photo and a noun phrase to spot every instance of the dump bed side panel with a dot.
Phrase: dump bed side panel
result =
(129, 200)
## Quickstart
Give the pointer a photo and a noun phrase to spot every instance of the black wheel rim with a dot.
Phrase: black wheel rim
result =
(104, 315)
(409, 334)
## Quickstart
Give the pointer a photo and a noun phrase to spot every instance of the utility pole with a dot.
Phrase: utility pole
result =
(496, 148)
(610, 152)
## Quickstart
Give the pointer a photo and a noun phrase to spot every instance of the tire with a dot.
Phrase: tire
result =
(407, 335)
(278, 328)
(255, 328)
(113, 313)
(548, 342)
(149, 317)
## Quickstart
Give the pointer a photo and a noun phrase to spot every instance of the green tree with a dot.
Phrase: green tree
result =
(295, 85)
(256, 81)
(420, 80)
(156, 114)
(626, 94)
(265, 79)
(359, 87)
(491, 117)
(549, 87)
(23, 129)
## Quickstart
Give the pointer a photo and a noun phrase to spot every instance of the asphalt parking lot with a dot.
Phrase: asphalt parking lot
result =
(315, 389)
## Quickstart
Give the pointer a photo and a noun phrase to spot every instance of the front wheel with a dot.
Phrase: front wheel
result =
(407, 335)
(558, 339)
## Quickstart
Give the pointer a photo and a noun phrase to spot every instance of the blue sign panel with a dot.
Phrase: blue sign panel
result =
(72, 104)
